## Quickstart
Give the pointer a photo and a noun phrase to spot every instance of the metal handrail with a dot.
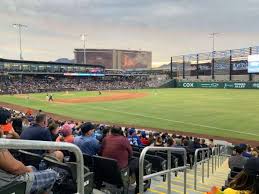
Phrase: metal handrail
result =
(43, 145)
(214, 159)
(169, 150)
(203, 160)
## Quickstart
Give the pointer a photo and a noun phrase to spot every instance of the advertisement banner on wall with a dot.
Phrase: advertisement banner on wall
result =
(231, 85)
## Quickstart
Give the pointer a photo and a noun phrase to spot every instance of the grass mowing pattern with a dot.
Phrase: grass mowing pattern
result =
(221, 112)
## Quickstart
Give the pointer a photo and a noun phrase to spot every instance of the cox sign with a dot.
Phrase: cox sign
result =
(188, 85)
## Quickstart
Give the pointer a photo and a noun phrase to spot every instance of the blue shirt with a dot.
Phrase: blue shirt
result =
(87, 144)
(134, 140)
(36, 132)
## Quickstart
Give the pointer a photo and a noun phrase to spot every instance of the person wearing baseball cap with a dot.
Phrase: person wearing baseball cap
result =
(133, 138)
(247, 181)
(66, 134)
(87, 142)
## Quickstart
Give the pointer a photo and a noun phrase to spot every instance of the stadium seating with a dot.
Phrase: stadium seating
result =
(68, 170)
(106, 170)
(14, 188)
(29, 158)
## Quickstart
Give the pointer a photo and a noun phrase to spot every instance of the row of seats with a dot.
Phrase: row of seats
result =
(98, 170)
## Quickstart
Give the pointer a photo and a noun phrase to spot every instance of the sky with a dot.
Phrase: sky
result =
(165, 27)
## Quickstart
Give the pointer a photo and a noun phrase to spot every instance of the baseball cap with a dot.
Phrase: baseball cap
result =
(66, 130)
(87, 127)
(131, 131)
(143, 134)
(252, 166)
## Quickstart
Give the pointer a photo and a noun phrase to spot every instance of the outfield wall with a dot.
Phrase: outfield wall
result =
(210, 84)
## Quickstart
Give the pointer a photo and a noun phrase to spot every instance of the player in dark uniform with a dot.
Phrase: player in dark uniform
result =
(51, 98)
(100, 93)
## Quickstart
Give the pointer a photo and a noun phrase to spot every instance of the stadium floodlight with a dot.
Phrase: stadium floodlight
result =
(83, 38)
(20, 26)
(213, 35)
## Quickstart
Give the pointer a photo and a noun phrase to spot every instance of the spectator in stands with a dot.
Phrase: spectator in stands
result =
(99, 132)
(25, 123)
(151, 138)
(246, 182)
(254, 154)
(196, 143)
(17, 125)
(211, 143)
(237, 160)
(144, 140)
(159, 142)
(13, 170)
(170, 142)
(66, 134)
(177, 143)
(6, 125)
(164, 137)
(245, 151)
(54, 129)
(203, 144)
(117, 147)
(106, 131)
(133, 138)
(38, 131)
(86, 141)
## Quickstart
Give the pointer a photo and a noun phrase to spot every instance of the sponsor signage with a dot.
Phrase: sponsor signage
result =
(188, 85)
(83, 74)
(233, 85)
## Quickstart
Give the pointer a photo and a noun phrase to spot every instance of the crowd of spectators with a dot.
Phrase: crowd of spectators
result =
(108, 141)
(37, 84)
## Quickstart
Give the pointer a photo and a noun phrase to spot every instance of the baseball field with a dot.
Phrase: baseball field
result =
(225, 113)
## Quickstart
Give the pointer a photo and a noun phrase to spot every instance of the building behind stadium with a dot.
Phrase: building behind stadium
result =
(115, 59)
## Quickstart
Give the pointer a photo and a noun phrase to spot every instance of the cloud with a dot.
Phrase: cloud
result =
(167, 27)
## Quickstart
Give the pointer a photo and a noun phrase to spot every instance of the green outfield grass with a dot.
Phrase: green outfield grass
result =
(221, 112)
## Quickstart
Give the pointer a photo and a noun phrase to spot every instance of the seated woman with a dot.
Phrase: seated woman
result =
(54, 130)
(247, 181)
(159, 142)
(144, 140)
(65, 134)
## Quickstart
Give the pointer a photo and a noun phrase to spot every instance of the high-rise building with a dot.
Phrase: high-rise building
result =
(115, 59)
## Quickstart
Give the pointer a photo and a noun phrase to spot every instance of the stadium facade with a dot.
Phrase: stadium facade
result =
(115, 59)
(22, 67)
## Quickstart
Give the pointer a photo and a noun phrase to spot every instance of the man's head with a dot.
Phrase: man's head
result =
(5, 116)
(115, 130)
(132, 132)
(87, 129)
(41, 119)
(238, 150)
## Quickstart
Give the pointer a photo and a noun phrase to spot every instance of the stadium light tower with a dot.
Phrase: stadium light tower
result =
(83, 38)
(20, 26)
(213, 35)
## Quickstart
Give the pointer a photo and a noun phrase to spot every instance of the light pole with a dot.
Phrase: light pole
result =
(213, 35)
(83, 38)
(20, 26)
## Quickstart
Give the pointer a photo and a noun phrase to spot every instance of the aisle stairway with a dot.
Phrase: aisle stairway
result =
(160, 187)
(217, 179)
